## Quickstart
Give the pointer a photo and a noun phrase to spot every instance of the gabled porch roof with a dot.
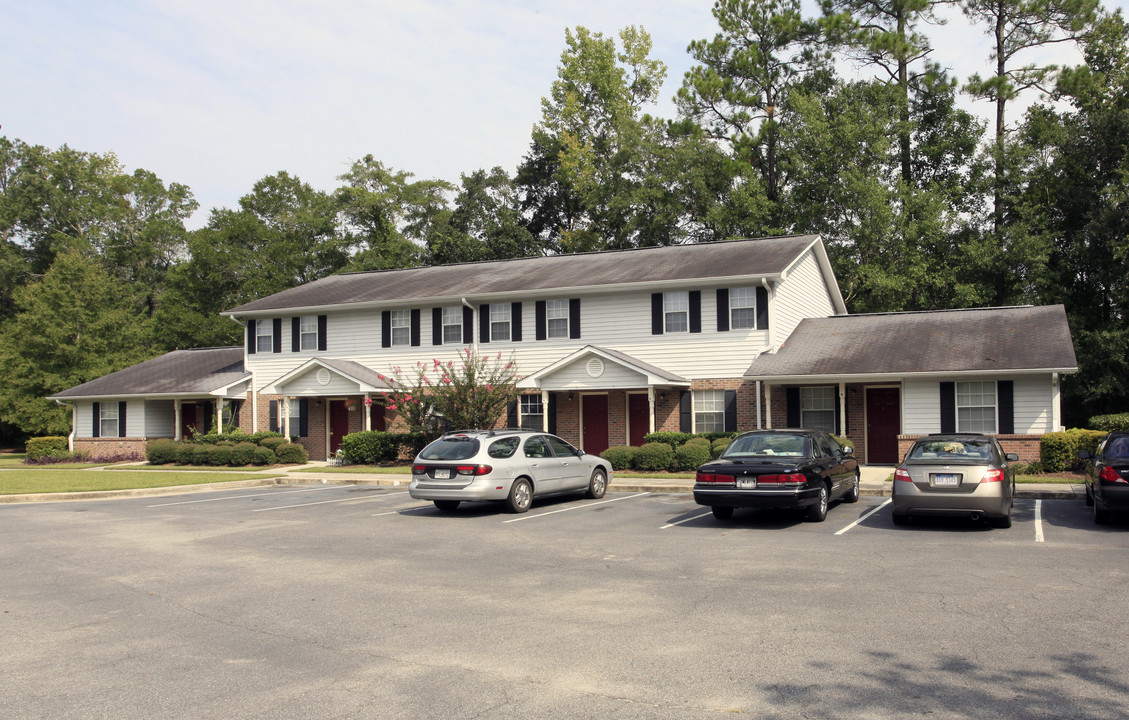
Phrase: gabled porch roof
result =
(331, 376)
(187, 374)
(628, 372)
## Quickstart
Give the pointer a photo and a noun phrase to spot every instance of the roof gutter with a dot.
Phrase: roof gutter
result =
(74, 422)
(901, 376)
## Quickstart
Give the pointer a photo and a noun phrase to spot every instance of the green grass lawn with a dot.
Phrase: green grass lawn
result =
(55, 480)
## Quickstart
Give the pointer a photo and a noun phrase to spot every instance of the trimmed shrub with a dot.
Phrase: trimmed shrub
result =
(673, 439)
(372, 447)
(219, 454)
(192, 454)
(692, 454)
(263, 456)
(243, 454)
(273, 441)
(1058, 451)
(292, 454)
(717, 447)
(161, 452)
(1110, 423)
(653, 456)
(620, 456)
(40, 447)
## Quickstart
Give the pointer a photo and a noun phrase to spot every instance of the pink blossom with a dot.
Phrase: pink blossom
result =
(489, 388)
(368, 402)
(391, 406)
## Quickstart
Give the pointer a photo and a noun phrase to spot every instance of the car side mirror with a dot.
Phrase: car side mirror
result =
(1011, 457)
(579, 453)
(1083, 454)
(848, 450)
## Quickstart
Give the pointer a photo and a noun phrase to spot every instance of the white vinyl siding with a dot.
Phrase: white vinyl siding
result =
(709, 410)
(159, 418)
(556, 318)
(803, 294)
(1031, 402)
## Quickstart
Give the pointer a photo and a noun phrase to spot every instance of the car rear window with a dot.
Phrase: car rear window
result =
(769, 445)
(1118, 448)
(458, 447)
(952, 450)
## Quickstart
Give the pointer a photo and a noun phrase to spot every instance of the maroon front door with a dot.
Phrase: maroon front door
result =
(638, 417)
(883, 423)
(595, 420)
(338, 424)
(187, 418)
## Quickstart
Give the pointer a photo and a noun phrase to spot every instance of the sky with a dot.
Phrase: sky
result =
(217, 94)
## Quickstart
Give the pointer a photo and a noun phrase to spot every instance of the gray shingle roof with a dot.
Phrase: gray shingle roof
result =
(975, 340)
(180, 372)
(764, 257)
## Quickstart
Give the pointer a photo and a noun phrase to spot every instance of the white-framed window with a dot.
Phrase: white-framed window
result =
(401, 327)
(452, 325)
(499, 321)
(295, 416)
(532, 412)
(308, 330)
(709, 411)
(976, 406)
(556, 318)
(676, 311)
(108, 419)
(743, 308)
(817, 408)
(264, 336)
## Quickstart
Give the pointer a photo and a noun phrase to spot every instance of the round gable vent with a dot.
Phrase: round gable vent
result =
(323, 377)
(595, 367)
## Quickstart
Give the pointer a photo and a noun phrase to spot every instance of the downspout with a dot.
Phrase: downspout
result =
(771, 321)
(473, 334)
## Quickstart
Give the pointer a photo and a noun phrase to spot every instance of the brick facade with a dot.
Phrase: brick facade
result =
(99, 448)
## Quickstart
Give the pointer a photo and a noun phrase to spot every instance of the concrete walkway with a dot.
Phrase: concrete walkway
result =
(873, 482)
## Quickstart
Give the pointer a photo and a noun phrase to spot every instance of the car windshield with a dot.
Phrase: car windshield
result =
(769, 445)
(457, 447)
(952, 450)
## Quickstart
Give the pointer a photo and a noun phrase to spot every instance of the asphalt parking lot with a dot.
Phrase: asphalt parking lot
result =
(328, 601)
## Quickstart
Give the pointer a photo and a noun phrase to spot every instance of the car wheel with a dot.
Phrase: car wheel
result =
(1089, 497)
(722, 512)
(521, 496)
(818, 512)
(1101, 515)
(446, 505)
(852, 495)
(901, 519)
(598, 485)
(1002, 522)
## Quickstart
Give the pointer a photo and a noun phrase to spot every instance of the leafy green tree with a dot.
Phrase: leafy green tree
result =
(486, 223)
(75, 324)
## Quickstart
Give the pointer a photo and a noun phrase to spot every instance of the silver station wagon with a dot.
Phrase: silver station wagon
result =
(513, 466)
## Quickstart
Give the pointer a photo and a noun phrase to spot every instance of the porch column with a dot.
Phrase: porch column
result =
(651, 407)
(768, 405)
(545, 411)
(176, 422)
(517, 409)
(368, 412)
(760, 422)
(219, 416)
(285, 419)
(842, 409)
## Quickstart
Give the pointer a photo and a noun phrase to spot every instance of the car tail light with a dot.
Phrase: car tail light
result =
(790, 479)
(419, 469)
(1108, 474)
(902, 474)
(993, 476)
(474, 469)
(715, 478)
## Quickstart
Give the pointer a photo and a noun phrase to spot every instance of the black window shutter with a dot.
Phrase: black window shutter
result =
(386, 328)
(695, 311)
(323, 333)
(792, 403)
(251, 339)
(515, 322)
(511, 414)
(730, 410)
(685, 412)
(97, 428)
(948, 407)
(437, 326)
(468, 325)
(1005, 400)
(484, 323)
(656, 313)
(553, 413)
(840, 427)
(723, 309)
(415, 327)
(121, 418)
(295, 334)
(303, 417)
(274, 415)
(277, 335)
(574, 318)
(539, 309)
(762, 309)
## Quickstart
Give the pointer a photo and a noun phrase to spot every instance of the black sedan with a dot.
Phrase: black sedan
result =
(803, 469)
(1107, 477)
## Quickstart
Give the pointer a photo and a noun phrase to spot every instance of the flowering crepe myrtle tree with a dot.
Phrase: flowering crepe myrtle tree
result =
(471, 392)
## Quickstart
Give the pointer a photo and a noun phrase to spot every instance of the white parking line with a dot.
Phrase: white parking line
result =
(237, 497)
(684, 520)
(864, 517)
(326, 502)
(1039, 521)
(575, 507)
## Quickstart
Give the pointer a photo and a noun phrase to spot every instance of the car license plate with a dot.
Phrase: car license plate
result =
(746, 482)
(945, 480)
(442, 473)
